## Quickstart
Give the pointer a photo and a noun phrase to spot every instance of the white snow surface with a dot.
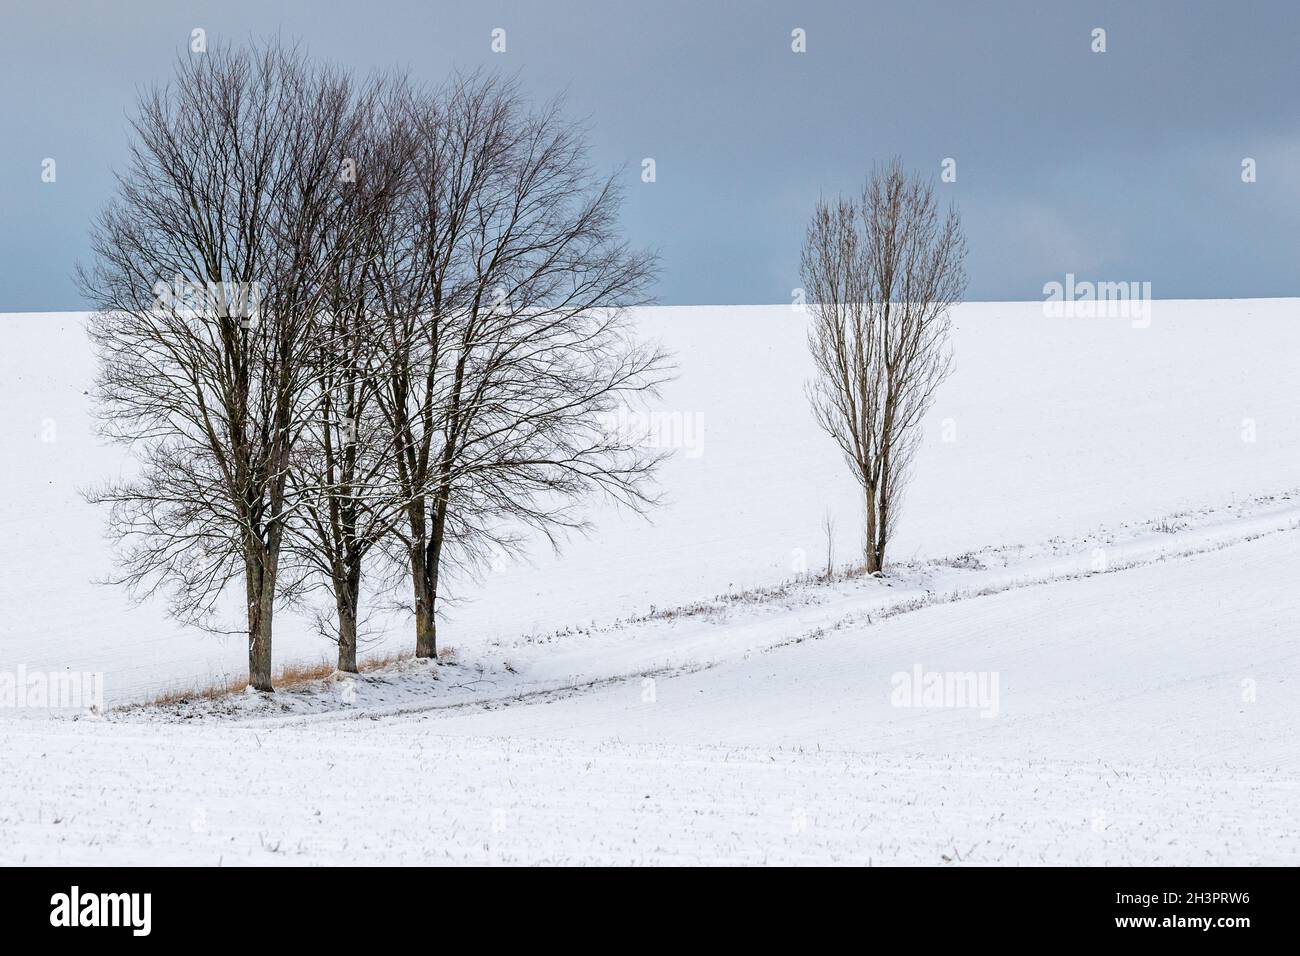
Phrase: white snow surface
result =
(1112, 536)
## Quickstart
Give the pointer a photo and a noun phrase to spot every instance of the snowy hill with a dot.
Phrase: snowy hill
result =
(1058, 427)
(1143, 716)
(1085, 651)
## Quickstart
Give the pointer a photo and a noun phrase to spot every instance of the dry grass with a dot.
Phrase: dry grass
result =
(288, 677)
(210, 692)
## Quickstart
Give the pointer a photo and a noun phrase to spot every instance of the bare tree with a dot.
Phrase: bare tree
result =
(343, 463)
(828, 527)
(508, 333)
(420, 283)
(228, 192)
(882, 273)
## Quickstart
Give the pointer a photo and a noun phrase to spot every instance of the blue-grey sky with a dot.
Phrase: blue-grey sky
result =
(1119, 166)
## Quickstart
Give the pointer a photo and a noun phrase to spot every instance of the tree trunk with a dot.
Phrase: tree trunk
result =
(426, 643)
(261, 606)
(425, 563)
(432, 565)
(347, 601)
(873, 555)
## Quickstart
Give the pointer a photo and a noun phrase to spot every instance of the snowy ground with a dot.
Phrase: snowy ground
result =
(1143, 716)
(1113, 538)
(1061, 427)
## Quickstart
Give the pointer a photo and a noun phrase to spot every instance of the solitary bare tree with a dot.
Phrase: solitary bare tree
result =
(881, 273)
(209, 276)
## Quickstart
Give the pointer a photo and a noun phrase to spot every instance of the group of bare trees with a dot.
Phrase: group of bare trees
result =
(882, 272)
(356, 330)
(361, 332)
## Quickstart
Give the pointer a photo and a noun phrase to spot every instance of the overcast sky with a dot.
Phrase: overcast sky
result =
(1118, 166)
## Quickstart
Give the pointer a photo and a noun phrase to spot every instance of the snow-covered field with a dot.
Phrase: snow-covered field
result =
(1103, 534)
